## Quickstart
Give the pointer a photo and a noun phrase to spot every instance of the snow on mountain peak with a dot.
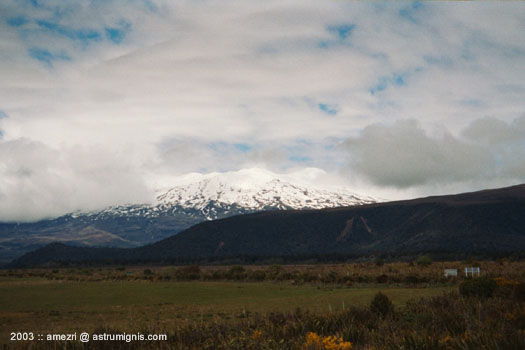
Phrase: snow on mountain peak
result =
(217, 195)
(258, 189)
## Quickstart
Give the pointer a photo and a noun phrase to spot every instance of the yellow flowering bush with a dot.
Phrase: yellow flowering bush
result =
(315, 342)
(447, 339)
(256, 334)
(503, 282)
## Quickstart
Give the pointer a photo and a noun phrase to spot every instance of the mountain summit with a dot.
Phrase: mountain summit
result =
(218, 195)
(192, 199)
(253, 190)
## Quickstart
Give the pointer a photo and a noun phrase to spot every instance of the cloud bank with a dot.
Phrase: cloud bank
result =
(37, 181)
(416, 98)
(404, 155)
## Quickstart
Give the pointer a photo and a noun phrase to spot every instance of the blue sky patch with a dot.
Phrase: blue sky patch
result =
(46, 56)
(118, 33)
(243, 147)
(216, 145)
(379, 87)
(398, 79)
(115, 35)
(328, 109)
(225, 147)
(17, 21)
(410, 12)
(150, 6)
(300, 159)
(84, 35)
(395, 79)
(2, 115)
(343, 31)
(323, 44)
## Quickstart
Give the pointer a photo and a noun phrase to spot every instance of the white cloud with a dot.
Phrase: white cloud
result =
(37, 181)
(404, 155)
(186, 75)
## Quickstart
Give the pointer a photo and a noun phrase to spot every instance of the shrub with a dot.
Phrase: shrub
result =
(330, 277)
(237, 269)
(424, 260)
(510, 288)
(284, 276)
(236, 272)
(347, 280)
(274, 270)
(382, 278)
(481, 287)
(218, 275)
(258, 275)
(316, 342)
(192, 272)
(381, 304)
(148, 272)
(379, 262)
(519, 291)
(412, 279)
(308, 277)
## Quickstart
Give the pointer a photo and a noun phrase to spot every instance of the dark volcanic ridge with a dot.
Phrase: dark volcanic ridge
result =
(486, 221)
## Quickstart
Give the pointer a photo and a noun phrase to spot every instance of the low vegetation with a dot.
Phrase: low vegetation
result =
(228, 308)
(421, 271)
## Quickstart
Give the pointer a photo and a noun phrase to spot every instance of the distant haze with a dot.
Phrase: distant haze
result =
(103, 102)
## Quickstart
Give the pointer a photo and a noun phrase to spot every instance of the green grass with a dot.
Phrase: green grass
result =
(267, 296)
(58, 305)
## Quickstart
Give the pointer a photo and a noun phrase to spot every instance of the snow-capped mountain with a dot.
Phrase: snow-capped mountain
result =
(191, 199)
(217, 195)
(274, 194)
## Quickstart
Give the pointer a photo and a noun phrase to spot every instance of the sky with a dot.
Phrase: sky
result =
(103, 101)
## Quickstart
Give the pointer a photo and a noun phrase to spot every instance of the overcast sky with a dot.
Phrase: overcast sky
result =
(101, 101)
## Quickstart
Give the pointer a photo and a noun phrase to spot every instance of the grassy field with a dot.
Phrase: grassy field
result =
(43, 305)
(291, 307)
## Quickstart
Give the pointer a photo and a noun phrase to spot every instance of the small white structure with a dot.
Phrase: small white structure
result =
(451, 272)
(472, 271)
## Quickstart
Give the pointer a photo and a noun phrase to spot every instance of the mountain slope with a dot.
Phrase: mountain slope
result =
(485, 221)
(195, 199)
